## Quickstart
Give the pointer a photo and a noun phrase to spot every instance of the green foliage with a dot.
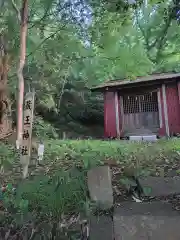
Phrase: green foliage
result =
(8, 156)
(147, 191)
(87, 153)
(62, 193)
(43, 130)
(64, 58)
(62, 189)
(142, 156)
(50, 193)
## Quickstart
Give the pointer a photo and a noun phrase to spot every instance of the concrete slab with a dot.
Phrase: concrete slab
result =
(150, 138)
(100, 186)
(135, 138)
(101, 227)
(137, 221)
(155, 208)
(160, 186)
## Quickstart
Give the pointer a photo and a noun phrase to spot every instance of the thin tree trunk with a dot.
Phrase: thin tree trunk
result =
(5, 123)
(23, 36)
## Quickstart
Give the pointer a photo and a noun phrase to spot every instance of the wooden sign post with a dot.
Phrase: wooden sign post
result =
(25, 150)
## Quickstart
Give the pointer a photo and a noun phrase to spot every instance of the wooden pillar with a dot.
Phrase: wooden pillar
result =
(122, 113)
(117, 113)
(178, 86)
(165, 109)
(160, 108)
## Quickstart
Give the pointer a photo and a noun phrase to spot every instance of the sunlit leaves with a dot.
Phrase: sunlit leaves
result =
(61, 49)
(118, 50)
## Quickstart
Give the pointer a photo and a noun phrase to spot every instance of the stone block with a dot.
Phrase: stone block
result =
(150, 138)
(161, 186)
(143, 221)
(100, 186)
(135, 138)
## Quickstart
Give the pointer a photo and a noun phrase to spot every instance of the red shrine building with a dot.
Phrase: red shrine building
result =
(144, 106)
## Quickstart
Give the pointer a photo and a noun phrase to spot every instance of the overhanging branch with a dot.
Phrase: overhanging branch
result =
(160, 39)
(16, 10)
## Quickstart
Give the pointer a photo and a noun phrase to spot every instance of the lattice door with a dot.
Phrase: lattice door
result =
(141, 111)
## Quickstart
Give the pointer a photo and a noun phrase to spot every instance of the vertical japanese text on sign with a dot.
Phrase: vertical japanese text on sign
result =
(27, 120)
(27, 131)
(28, 105)
(26, 135)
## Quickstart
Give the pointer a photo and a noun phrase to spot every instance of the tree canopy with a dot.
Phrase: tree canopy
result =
(73, 45)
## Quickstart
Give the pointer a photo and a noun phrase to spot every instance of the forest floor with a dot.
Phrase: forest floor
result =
(58, 185)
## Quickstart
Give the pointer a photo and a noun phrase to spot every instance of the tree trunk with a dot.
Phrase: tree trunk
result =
(23, 35)
(5, 106)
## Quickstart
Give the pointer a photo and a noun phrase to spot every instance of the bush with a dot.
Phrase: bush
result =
(64, 192)
(43, 129)
(8, 156)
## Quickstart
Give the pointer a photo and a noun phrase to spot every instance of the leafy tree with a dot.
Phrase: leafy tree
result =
(73, 45)
(10, 14)
(159, 29)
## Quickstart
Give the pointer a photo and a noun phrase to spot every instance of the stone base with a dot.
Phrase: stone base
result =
(138, 221)
(101, 228)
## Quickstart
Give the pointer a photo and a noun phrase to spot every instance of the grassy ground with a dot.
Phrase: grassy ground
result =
(88, 153)
(58, 187)
(60, 154)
